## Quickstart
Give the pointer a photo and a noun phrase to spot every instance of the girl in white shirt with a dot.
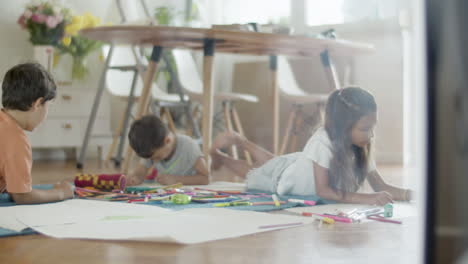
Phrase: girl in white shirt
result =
(335, 162)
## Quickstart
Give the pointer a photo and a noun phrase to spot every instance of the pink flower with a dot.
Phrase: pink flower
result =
(22, 21)
(52, 21)
(38, 18)
(27, 14)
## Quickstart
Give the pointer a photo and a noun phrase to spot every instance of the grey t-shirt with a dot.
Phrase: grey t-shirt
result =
(182, 162)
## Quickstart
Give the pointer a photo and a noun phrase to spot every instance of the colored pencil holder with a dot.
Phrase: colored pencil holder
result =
(101, 181)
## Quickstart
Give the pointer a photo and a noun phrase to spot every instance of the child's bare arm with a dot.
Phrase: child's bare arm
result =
(60, 192)
(378, 184)
(324, 191)
(137, 176)
(201, 178)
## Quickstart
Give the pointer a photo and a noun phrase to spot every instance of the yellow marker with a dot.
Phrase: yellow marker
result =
(275, 199)
(328, 220)
(324, 219)
(222, 204)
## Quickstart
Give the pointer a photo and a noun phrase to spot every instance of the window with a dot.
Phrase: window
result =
(324, 12)
(259, 11)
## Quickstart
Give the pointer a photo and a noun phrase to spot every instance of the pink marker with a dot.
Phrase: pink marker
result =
(302, 201)
(337, 218)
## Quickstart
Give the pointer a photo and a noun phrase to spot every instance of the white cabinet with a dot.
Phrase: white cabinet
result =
(65, 126)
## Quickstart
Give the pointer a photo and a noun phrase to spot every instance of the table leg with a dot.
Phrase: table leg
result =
(207, 127)
(128, 112)
(330, 70)
(145, 97)
(274, 102)
(115, 139)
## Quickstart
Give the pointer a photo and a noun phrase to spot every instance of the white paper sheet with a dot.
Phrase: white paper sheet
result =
(70, 211)
(8, 219)
(400, 210)
(118, 221)
(81, 211)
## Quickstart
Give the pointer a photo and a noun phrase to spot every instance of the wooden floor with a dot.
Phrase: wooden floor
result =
(373, 242)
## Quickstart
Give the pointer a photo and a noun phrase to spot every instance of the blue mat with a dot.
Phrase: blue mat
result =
(7, 232)
(257, 208)
(5, 200)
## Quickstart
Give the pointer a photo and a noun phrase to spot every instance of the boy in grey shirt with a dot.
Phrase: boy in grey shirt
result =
(177, 158)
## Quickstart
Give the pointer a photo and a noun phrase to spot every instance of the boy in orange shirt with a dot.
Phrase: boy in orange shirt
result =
(26, 92)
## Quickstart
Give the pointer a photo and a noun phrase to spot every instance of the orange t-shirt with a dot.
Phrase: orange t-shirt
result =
(15, 157)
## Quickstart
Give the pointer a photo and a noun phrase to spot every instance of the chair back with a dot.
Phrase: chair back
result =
(119, 82)
(287, 83)
(187, 73)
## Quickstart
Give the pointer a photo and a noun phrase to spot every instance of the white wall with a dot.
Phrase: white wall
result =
(15, 46)
(381, 73)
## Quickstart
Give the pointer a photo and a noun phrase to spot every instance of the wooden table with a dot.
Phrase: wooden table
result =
(238, 42)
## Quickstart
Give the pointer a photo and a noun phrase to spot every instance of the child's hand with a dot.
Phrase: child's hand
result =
(165, 179)
(67, 189)
(380, 198)
(131, 181)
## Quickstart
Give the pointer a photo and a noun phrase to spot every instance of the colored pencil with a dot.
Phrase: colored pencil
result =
(267, 203)
(382, 219)
(280, 225)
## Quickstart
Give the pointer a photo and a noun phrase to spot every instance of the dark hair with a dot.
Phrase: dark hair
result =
(344, 108)
(146, 135)
(24, 84)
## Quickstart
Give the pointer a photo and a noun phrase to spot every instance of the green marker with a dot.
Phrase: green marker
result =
(222, 204)
(180, 198)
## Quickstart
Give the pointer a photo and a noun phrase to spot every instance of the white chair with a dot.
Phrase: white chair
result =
(290, 90)
(190, 82)
(121, 73)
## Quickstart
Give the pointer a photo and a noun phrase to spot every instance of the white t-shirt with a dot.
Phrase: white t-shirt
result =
(298, 178)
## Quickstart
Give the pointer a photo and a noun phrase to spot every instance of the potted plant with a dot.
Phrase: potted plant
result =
(45, 23)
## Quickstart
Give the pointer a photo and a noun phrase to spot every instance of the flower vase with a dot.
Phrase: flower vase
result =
(44, 55)
(79, 69)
